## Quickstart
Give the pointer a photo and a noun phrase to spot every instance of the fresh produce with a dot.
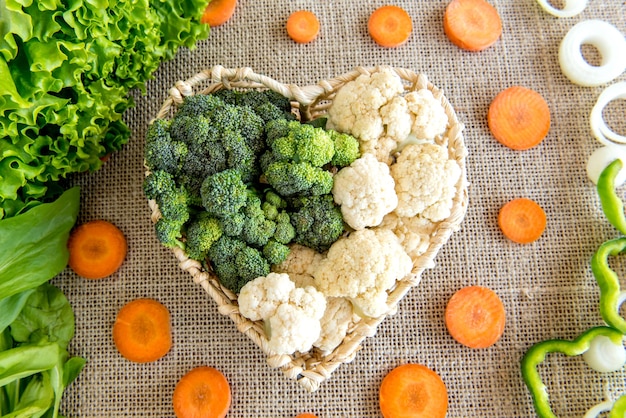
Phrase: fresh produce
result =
(218, 12)
(303, 26)
(615, 408)
(601, 158)
(66, 71)
(612, 204)
(390, 26)
(37, 321)
(411, 390)
(570, 8)
(607, 40)
(475, 317)
(611, 296)
(306, 415)
(202, 392)
(141, 331)
(237, 179)
(97, 249)
(519, 118)
(473, 25)
(599, 128)
(522, 220)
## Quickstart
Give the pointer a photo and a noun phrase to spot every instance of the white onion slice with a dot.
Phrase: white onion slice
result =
(604, 355)
(571, 7)
(599, 128)
(595, 411)
(609, 42)
(601, 158)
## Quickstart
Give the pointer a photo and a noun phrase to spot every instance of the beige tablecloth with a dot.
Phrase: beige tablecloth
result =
(547, 287)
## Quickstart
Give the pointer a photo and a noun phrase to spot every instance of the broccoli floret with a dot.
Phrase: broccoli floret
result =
(275, 129)
(285, 232)
(290, 179)
(317, 221)
(236, 263)
(275, 252)
(199, 104)
(161, 151)
(346, 149)
(173, 205)
(158, 183)
(169, 233)
(224, 193)
(240, 156)
(272, 205)
(303, 143)
(267, 104)
(201, 234)
(257, 229)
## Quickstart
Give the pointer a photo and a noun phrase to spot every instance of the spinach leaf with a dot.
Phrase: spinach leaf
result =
(27, 360)
(34, 244)
(11, 307)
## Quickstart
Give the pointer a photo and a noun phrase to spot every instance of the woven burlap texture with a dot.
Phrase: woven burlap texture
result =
(547, 287)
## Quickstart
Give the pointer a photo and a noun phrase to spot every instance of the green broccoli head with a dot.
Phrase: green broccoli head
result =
(161, 151)
(257, 228)
(290, 178)
(303, 143)
(317, 221)
(224, 193)
(285, 232)
(235, 263)
(158, 183)
(199, 105)
(169, 232)
(275, 252)
(346, 149)
(239, 155)
(171, 199)
(202, 232)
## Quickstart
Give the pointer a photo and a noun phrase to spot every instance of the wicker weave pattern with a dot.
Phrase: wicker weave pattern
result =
(312, 368)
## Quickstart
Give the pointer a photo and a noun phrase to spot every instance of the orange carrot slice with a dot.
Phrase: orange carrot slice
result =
(475, 317)
(306, 415)
(218, 12)
(522, 220)
(519, 118)
(472, 25)
(413, 390)
(202, 392)
(97, 249)
(303, 26)
(390, 26)
(141, 331)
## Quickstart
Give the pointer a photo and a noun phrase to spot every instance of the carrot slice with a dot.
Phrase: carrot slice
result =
(303, 26)
(97, 249)
(390, 26)
(306, 415)
(202, 392)
(142, 332)
(218, 12)
(519, 118)
(472, 25)
(475, 317)
(522, 220)
(413, 390)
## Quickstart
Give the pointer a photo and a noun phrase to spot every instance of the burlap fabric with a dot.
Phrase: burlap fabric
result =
(547, 287)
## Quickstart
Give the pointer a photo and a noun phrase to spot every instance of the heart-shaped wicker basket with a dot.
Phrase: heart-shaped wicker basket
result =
(312, 368)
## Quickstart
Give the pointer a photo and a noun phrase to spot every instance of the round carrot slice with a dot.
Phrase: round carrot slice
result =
(522, 220)
(472, 25)
(475, 317)
(97, 249)
(413, 390)
(303, 26)
(519, 118)
(142, 332)
(218, 12)
(390, 26)
(202, 392)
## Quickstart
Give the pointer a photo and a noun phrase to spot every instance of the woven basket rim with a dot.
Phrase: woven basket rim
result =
(312, 368)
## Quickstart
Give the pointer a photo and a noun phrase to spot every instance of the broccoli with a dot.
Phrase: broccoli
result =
(201, 234)
(285, 232)
(268, 104)
(303, 179)
(173, 205)
(235, 263)
(303, 143)
(224, 193)
(169, 233)
(199, 104)
(317, 221)
(161, 151)
(257, 229)
(275, 252)
(346, 149)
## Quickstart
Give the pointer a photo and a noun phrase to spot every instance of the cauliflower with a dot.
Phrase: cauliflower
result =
(425, 181)
(291, 314)
(363, 266)
(335, 322)
(428, 116)
(414, 232)
(366, 192)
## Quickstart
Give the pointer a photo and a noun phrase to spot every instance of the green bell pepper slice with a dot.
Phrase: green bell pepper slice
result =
(612, 204)
(538, 352)
(608, 281)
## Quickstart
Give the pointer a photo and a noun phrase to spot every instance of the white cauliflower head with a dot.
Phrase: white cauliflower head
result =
(414, 232)
(428, 116)
(337, 318)
(366, 192)
(291, 314)
(425, 181)
(362, 267)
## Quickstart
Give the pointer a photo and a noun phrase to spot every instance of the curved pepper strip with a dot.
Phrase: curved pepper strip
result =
(538, 352)
(608, 282)
(619, 408)
(612, 204)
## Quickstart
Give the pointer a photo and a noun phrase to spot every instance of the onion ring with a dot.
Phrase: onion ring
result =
(571, 7)
(601, 158)
(599, 128)
(600, 408)
(609, 42)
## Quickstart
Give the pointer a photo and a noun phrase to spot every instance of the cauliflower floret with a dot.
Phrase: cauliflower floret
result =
(425, 181)
(414, 232)
(291, 314)
(396, 118)
(362, 267)
(356, 106)
(366, 192)
(382, 149)
(301, 260)
(335, 322)
(428, 116)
